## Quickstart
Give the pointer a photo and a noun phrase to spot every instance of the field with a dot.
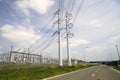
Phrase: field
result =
(33, 72)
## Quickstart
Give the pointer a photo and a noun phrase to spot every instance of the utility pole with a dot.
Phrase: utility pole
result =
(67, 38)
(59, 40)
(10, 53)
(85, 56)
(28, 59)
(41, 57)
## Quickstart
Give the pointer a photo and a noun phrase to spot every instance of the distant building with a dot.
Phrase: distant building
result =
(74, 62)
(77, 62)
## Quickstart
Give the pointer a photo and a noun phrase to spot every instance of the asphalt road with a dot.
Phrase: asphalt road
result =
(94, 73)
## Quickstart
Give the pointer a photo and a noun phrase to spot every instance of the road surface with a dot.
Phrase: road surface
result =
(94, 73)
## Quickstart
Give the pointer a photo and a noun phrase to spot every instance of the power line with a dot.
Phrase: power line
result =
(50, 42)
(34, 36)
(62, 5)
(48, 22)
(43, 42)
(69, 3)
(72, 7)
(80, 6)
(42, 36)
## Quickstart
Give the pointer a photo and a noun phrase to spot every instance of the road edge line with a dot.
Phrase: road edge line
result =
(66, 73)
(115, 70)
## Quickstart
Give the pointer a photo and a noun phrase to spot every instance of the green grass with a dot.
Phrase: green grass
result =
(117, 68)
(33, 72)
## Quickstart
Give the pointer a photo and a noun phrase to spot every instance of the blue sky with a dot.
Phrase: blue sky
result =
(96, 28)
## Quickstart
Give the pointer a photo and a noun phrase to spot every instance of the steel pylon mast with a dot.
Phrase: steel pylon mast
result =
(68, 35)
(67, 40)
(59, 38)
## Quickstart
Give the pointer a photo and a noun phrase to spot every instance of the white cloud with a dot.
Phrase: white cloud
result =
(98, 21)
(40, 6)
(114, 40)
(96, 48)
(18, 34)
(76, 43)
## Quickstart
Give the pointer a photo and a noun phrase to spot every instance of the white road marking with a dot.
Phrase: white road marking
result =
(93, 75)
(66, 73)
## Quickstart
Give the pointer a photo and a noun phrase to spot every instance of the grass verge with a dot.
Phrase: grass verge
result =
(117, 68)
(24, 72)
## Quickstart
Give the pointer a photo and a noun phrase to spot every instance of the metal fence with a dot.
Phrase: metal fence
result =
(26, 58)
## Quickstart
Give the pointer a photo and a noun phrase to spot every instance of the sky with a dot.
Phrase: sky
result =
(33, 24)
